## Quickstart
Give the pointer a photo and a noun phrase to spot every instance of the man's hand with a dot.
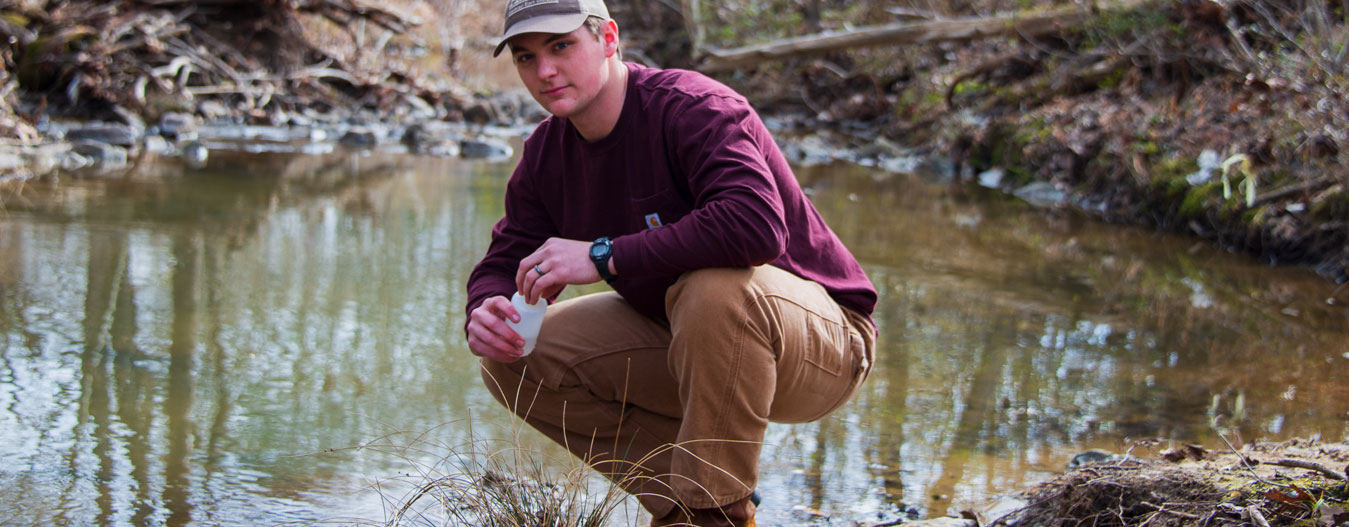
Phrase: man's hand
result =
(559, 263)
(488, 334)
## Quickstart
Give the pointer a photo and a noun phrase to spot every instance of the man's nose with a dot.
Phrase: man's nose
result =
(544, 67)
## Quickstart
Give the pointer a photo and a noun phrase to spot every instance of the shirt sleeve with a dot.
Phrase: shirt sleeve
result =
(717, 143)
(519, 233)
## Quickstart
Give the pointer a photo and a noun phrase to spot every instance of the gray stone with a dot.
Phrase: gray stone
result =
(359, 137)
(178, 125)
(881, 148)
(100, 153)
(156, 144)
(991, 178)
(131, 118)
(195, 154)
(1001, 508)
(10, 159)
(108, 133)
(48, 157)
(443, 148)
(213, 110)
(943, 522)
(1041, 194)
(507, 106)
(422, 139)
(900, 164)
(416, 135)
(480, 111)
(419, 108)
(810, 150)
(531, 111)
(71, 161)
(485, 148)
(1092, 456)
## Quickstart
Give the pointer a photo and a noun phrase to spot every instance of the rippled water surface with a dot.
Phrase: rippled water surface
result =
(208, 347)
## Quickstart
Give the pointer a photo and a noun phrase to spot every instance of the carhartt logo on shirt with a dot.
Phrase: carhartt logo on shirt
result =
(653, 221)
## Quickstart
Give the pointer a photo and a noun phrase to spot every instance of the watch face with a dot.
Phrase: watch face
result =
(597, 250)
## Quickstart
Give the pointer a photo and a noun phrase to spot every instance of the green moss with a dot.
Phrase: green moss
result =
(1113, 79)
(1128, 25)
(1171, 173)
(1019, 174)
(1146, 147)
(968, 87)
(1031, 131)
(1254, 217)
(1197, 199)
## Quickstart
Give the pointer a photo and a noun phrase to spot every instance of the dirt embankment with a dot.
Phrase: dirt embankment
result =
(92, 83)
(1225, 120)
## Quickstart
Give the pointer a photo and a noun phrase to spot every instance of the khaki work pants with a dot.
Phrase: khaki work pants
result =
(676, 413)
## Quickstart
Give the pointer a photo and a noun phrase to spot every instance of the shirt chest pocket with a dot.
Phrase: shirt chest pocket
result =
(658, 210)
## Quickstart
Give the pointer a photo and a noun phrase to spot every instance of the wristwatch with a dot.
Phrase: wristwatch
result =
(600, 252)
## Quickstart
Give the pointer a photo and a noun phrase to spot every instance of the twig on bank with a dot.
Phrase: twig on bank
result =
(1161, 509)
(1253, 512)
(1309, 465)
(1244, 461)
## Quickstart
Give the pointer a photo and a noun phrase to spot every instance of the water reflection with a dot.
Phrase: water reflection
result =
(175, 346)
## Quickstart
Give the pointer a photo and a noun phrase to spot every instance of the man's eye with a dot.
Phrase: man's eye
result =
(522, 58)
(561, 46)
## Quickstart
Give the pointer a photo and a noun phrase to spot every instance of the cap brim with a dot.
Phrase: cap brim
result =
(556, 24)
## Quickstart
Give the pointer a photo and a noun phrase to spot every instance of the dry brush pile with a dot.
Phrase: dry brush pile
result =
(94, 59)
(1263, 485)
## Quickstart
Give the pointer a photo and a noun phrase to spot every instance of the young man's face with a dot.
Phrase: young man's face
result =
(564, 72)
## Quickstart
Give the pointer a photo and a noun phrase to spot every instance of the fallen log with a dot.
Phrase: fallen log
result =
(949, 30)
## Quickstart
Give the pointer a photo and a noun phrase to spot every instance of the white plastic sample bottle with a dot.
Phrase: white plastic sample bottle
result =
(531, 318)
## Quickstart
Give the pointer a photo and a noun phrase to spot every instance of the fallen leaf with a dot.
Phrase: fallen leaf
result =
(1284, 497)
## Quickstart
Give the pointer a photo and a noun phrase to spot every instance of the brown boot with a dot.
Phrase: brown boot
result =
(736, 514)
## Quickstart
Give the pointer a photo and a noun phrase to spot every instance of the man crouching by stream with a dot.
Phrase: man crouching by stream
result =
(733, 303)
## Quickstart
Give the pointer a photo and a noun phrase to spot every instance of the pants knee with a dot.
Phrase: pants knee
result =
(713, 292)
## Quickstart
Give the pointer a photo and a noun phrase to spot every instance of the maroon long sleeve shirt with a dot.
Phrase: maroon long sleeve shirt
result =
(688, 179)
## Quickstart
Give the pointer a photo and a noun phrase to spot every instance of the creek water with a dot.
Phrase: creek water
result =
(277, 338)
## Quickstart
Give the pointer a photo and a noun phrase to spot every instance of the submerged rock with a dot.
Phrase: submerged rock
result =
(480, 111)
(1092, 456)
(196, 154)
(109, 133)
(1041, 194)
(176, 125)
(156, 144)
(422, 139)
(943, 522)
(485, 148)
(359, 137)
(100, 153)
(10, 160)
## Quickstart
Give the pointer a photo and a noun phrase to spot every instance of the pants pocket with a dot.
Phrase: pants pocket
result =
(818, 370)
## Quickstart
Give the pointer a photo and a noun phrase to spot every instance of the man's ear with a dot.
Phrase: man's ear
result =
(609, 36)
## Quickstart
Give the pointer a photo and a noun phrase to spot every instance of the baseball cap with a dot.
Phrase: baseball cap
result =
(548, 16)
